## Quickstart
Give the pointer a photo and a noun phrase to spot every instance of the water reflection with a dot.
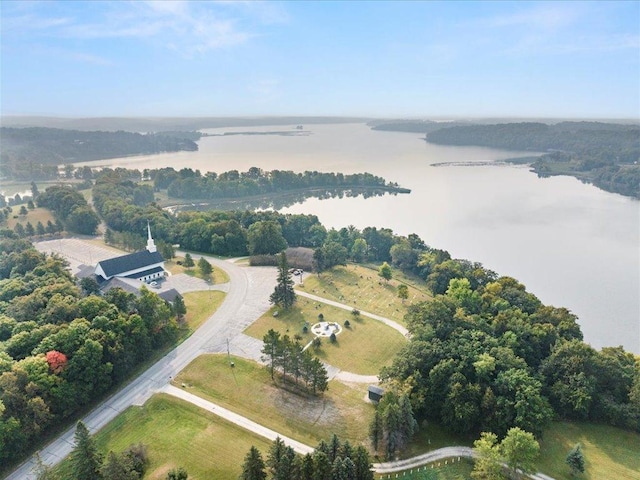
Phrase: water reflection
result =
(278, 202)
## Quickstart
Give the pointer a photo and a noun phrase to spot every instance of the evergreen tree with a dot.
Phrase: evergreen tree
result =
(334, 448)
(205, 267)
(364, 469)
(284, 296)
(306, 469)
(29, 230)
(253, 467)
(179, 307)
(19, 229)
(85, 458)
(277, 450)
(376, 430)
(318, 260)
(188, 261)
(23, 210)
(575, 460)
(338, 470)
(34, 190)
(270, 349)
(322, 466)
(40, 228)
(408, 423)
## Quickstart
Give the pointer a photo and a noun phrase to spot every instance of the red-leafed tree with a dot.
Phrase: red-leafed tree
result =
(56, 360)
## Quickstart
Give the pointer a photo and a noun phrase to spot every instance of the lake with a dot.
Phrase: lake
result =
(571, 244)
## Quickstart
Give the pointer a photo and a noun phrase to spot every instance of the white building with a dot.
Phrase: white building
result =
(145, 266)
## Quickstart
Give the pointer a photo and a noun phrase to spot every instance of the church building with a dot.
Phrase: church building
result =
(145, 266)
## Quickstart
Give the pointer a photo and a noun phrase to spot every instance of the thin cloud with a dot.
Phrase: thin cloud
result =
(185, 27)
(550, 16)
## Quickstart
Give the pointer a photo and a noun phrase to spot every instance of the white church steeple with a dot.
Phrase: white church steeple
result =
(151, 246)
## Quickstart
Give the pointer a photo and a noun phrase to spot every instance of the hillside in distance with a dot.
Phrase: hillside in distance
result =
(26, 152)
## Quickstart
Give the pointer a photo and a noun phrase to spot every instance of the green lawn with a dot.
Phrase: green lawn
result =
(180, 434)
(217, 277)
(609, 452)
(361, 287)
(363, 348)
(248, 390)
(201, 305)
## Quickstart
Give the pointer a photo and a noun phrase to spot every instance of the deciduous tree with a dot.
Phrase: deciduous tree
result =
(385, 271)
(520, 450)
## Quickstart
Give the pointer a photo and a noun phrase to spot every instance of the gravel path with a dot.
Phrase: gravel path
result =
(235, 418)
(386, 321)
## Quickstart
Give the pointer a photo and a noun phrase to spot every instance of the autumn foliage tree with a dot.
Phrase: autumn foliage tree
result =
(57, 361)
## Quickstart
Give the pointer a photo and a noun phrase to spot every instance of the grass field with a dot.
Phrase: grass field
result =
(362, 288)
(609, 452)
(248, 390)
(34, 216)
(200, 306)
(217, 277)
(180, 434)
(363, 348)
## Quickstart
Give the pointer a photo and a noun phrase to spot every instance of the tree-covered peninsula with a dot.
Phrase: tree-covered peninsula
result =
(30, 153)
(605, 154)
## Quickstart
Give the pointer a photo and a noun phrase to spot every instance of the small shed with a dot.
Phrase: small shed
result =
(375, 393)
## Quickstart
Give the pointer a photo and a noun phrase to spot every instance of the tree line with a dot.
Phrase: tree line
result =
(332, 460)
(61, 346)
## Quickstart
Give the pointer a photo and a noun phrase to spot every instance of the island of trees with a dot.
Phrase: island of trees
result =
(189, 184)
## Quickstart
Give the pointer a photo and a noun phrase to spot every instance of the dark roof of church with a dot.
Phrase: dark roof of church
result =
(133, 261)
(144, 273)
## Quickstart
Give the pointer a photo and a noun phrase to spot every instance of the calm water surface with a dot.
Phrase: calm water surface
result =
(571, 244)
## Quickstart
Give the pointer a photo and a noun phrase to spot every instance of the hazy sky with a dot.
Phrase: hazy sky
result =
(422, 59)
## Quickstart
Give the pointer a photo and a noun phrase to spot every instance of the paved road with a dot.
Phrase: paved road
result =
(247, 298)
